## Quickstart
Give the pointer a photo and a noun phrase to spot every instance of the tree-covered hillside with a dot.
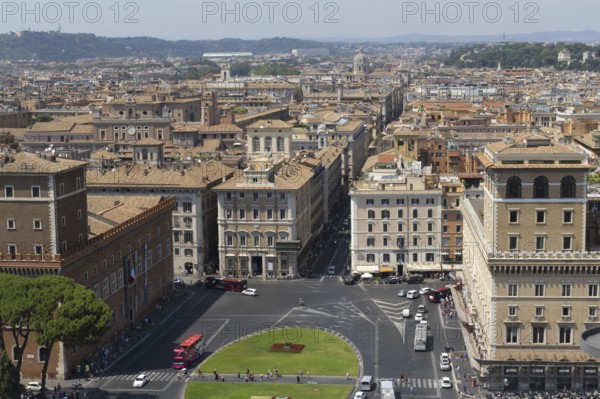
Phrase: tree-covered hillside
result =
(67, 47)
(523, 55)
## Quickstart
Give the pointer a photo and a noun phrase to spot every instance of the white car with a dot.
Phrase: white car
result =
(360, 395)
(34, 386)
(412, 294)
(140, 381)
(418, 316)
(445, 362)
(250, 291)
(425, 290)
(446, 383)
(406, 313)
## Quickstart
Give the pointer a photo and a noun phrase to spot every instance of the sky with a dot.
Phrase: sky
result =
(309, 19)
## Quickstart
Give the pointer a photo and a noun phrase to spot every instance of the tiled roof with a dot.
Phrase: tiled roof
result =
(24, 162)
(196, 177)
(269, 124)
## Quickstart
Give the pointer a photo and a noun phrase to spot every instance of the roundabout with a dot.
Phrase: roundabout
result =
(289, 362)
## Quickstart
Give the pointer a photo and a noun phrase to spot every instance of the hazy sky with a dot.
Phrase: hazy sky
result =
(197, 19)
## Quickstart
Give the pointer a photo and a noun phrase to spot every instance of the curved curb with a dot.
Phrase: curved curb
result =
(275, 328)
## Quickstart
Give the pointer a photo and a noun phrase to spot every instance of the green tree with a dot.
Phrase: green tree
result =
(17, 310)
(240, 69)
(10, 385)
(67, 312)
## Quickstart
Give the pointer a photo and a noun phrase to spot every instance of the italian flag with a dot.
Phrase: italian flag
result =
(131, 271)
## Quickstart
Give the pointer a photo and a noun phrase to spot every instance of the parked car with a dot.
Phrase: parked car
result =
(34, 386)
(140, 381)
(415, 278)
(250, 292)
(392, 280)
(446, 383)
(402, 293)
(331, 270)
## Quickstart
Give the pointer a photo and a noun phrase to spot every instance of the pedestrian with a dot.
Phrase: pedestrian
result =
(300, 372)
(347, 376)
(200, 373)
(223, 378)
(246, 377)
(412, 390)
(261, 376)
(297, 379)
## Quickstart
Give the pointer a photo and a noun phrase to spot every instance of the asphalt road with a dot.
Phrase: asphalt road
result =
(368, 315)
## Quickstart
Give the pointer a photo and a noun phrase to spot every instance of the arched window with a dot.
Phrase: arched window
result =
(540, 187)
(567, 187)
(513, 187)
(385, 214)
(268, 144)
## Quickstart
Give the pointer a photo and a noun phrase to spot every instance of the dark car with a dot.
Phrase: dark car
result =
(349, 281)
(415, 279)
(393, 280)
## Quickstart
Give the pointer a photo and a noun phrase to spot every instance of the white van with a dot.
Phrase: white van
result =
(412, 294)
(406, 312)
(367, 383)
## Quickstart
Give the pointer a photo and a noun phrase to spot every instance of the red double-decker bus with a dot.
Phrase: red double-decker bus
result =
(439, 294)
(188, 351)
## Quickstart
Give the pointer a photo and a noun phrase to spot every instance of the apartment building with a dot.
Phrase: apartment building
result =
(195, 214)
(270, 216)
(396, 218)
(530, 287)
(52, 226)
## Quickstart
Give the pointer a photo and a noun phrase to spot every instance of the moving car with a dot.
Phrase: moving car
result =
(250, 291)
(402, 293)
(406, 312)
(446, 383)
(34, 386)
(418, 316)
(445, 362)
(331, 270)
(421, 309)
(140, 381)
(360, 395)
(412, 294)
(392, 280)
(425, 290)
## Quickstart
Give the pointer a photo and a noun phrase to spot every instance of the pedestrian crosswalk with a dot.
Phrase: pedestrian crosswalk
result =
(164, 376)
(421, 383)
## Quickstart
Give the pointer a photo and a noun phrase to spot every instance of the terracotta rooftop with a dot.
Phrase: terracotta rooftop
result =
(24, 162)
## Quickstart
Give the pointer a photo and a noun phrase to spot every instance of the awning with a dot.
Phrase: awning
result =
(386, 269)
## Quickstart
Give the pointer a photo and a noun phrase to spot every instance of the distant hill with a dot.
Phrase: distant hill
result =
(586, 36)
(68, 47)
(524, 55)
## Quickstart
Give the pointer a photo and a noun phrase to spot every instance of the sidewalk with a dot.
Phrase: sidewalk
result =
(284, 379)
(160, 315)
